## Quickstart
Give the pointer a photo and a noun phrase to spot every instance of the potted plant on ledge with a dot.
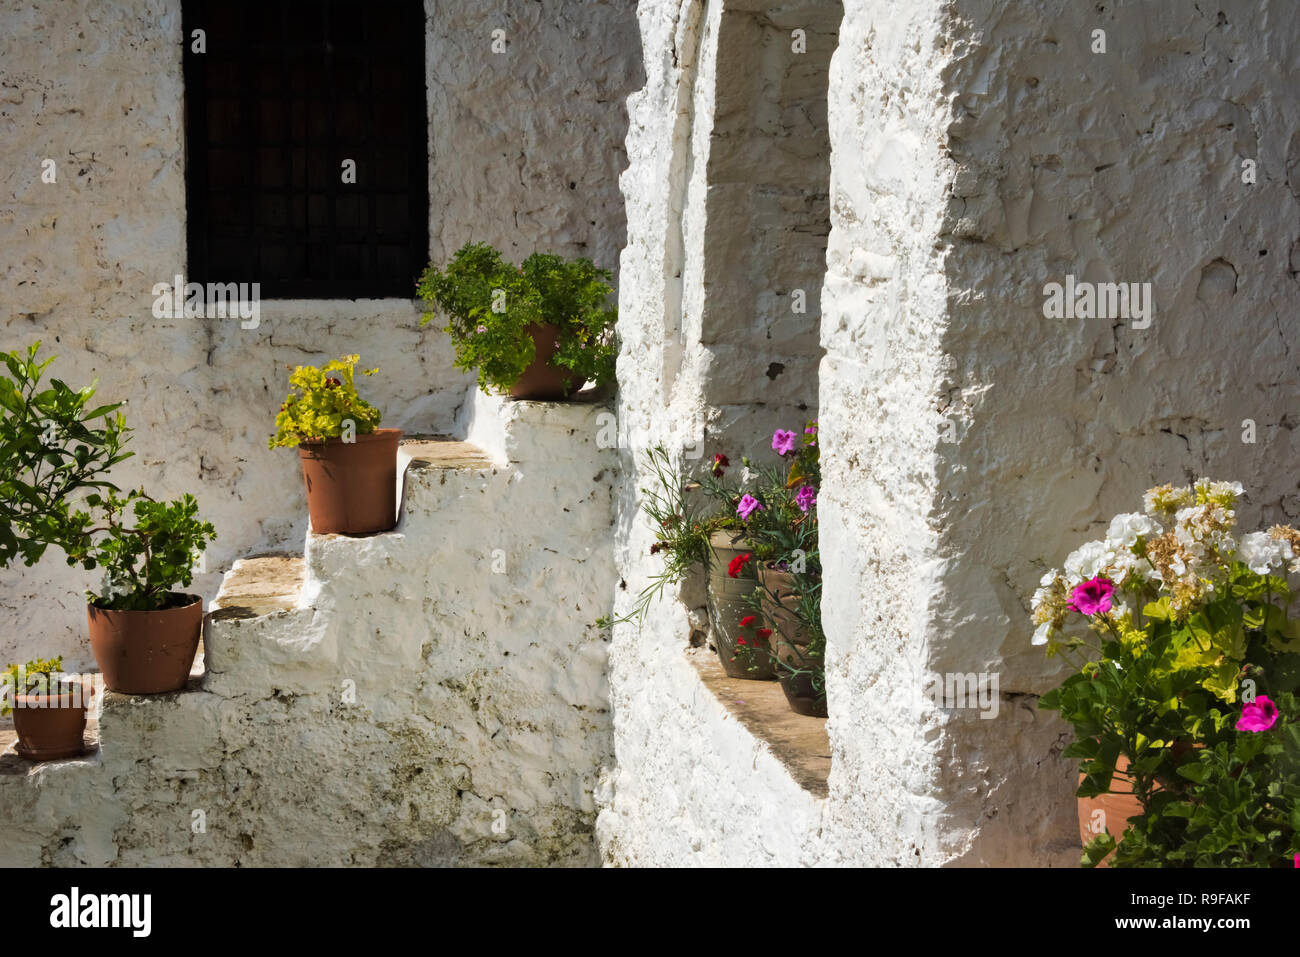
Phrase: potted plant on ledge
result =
(1182, 690)
(49, 709)
(349, 465)
(538, 331)
(144, 634)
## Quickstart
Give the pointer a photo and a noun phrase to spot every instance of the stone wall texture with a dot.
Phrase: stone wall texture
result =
(526, 148)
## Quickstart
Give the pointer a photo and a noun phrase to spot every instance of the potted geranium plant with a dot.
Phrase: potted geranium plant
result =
(777, 510)
(49, 709)
(349, 464)
(540, 330)
(1185, 662)
(697, 532)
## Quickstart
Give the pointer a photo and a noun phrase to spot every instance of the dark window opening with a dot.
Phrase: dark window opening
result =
(285, 94)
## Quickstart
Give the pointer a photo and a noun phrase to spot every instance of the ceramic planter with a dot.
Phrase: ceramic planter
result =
(790, 644)
(543, 381)
(727, 606)
(352, 486)
(51, 726)
(147, 652)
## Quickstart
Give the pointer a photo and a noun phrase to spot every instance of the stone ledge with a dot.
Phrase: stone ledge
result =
(442, 452)
(799, 742)
(260, 585)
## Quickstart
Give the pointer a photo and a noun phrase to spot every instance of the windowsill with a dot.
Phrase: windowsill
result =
(799, 742)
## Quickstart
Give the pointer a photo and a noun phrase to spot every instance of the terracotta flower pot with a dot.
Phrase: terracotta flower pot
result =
(727, 606)
(51, 726)
(1115, 808)
(542, 381)
(147, 652)
(790, 644)
(352, 486)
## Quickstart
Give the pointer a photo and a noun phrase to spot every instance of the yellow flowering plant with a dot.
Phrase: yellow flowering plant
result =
(321, 403)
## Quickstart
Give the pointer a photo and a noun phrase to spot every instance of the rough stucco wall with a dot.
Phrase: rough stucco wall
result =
(431, 696)
(98, 88)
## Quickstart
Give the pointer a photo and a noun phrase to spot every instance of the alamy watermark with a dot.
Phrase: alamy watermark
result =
(1080, 299)
(215, 300)
(955, 689)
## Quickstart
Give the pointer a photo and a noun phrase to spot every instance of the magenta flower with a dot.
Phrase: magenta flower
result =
(1259, 715)
(805, 498)
(1092, 597)
(783, 442)
(1297, 860)
(747, 507)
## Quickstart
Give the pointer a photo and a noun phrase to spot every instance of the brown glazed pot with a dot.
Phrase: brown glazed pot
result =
(789, 643)
(541, 381)
(51, 726)
(147, 652)
(352, 486)
(727, 606)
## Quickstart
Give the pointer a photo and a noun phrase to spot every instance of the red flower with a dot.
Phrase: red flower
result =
(654, 549)
(746, 621)
(720, 462)
(741, 641)
(764, 632)
(737, 564)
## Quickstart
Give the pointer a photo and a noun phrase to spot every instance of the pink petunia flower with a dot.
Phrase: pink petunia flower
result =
(1259, 715)
(805, 498)
(747, 507)
(783, 442)
(1092, 597)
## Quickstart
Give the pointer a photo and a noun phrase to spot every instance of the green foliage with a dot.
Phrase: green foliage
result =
(53, 445)
(320, 402)
(144, 560)
(35, 677)
(683, 520)
(490, 304)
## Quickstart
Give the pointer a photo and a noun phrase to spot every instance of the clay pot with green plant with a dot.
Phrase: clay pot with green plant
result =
(144, 632)
(55, 449)
(48, 708)
(540, 330)
(349, 465)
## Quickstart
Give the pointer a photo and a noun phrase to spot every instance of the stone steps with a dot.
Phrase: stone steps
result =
(430, 695)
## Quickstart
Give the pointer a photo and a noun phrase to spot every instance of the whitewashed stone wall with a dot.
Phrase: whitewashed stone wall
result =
(526, 147)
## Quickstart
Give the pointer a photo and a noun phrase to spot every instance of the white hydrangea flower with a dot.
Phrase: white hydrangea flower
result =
(1042, 633)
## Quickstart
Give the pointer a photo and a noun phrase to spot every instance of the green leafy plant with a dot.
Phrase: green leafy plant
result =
(37, 677)
(54, 445)
(143, 558)
(1179, 634)
(490, 305)
(684, 522)
(321, 402)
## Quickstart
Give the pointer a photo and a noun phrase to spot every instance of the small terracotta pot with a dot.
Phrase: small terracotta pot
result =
(727, 606)
(147, 652)
(352, 486)
(1117, 808)
(790, 645)
(541, 381)
(50, 726)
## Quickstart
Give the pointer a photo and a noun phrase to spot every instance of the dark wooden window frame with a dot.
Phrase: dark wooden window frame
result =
(303, 258)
